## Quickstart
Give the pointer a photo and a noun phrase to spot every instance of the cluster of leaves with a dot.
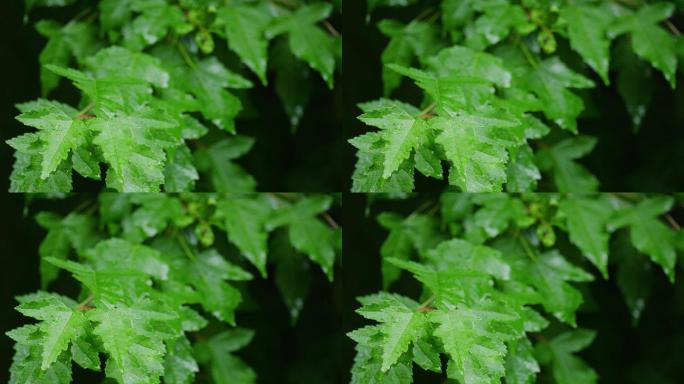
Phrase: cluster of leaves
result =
(153, 276)
(498, 274)
(151, 84)
(497, 77)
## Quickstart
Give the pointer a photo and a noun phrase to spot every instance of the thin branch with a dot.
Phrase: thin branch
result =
(330, 220)
(672, 222)
(83, 205)
(330, 28)
(84, 12)
(672, 27)
(421, 208)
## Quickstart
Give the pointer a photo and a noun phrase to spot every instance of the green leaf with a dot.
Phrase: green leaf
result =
(118, 253)
(133, 337)
(416, 39)
(499, 18)
(73, 231)
(179, 364)
(208, 274)
(217, 161)
(156, 19)
(122, 63)
(586, 221)
(476, 146)
(59, 131)
(180, 174)
(635, 82)
(568, 175)
(470, 63)
(115, 13)
(306, 15)
(521, 366)
(587, 26)
(307, 233)
(522, 173)
(402, 130)
(293, 275)
(245, 28)
(368, 361)
(245, 220)
(227, 368)
(133, 147)
(292, 82)
(649, 40)
(307, 41)
(650, 235)
(60, 323)
(558, 352)
(207, 81)
(426, 353)
(477, 353)
(551, 81)
(73, 40)
(26, 171)
(317, 48)
(26, 366)
(419, 232)
(400, 323)
(634, 276)
(84, 352)
(368, 173)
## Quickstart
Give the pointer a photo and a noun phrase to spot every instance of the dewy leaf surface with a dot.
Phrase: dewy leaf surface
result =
(160, 293)
(475, 145)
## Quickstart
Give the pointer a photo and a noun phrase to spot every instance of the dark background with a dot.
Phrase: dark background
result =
(650, 353)
(651, 160)
(280, 160)
(280, 353)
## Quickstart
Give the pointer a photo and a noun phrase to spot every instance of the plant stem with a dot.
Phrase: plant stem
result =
(84, 113)
(425, 306)
(672, 27)
(672, 222)
(425, 113)
(82, 306)
(330, 28)
(330, 220)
